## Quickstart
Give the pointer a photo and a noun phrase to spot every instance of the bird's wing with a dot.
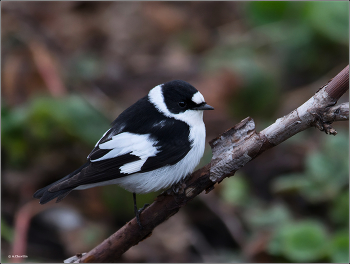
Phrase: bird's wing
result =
(126, 153)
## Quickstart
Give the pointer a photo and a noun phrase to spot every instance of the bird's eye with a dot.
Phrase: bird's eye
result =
(182, 104)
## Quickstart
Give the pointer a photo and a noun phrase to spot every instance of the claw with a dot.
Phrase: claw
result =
(143, 208)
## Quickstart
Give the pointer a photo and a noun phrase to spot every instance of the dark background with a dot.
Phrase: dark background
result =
(70, 68)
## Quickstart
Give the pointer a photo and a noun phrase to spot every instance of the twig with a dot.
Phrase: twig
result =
(47, 68)
(337, 113)
(231, 151)
(22, 221)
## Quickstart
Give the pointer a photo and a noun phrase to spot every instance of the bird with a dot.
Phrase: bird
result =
(152, 145)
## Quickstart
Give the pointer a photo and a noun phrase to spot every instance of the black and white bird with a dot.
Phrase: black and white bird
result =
(152, 145)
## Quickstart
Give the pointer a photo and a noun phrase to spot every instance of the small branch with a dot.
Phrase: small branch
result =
(47, 68)
(337, 113)
(231, 151)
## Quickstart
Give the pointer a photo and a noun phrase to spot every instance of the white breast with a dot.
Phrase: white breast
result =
(166, 176)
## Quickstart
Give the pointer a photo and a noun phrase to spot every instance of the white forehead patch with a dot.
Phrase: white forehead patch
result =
(198, 98)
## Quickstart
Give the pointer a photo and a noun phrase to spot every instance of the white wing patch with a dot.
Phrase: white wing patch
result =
(198, 98)
(141, 146)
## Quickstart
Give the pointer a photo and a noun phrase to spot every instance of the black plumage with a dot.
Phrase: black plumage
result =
(172, 142)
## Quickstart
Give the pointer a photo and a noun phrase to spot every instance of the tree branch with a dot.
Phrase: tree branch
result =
(337, 86)
(231, 151)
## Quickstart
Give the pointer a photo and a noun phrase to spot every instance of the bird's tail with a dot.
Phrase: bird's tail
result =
(46, 196)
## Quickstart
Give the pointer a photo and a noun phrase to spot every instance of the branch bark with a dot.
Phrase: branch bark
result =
(231, 151)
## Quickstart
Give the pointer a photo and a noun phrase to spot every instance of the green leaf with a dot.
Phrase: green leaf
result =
(304, 241)
(263, 12)
(72, 114)
(7, 232)
(258, 84)
(340, 208)
(290, 183)
(235, 190)
(46, 122)
(271, 217)
(84, 121)
(330, 18)
(326, 172)
(340, 247)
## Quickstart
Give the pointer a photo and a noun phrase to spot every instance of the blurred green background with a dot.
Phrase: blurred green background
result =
(70, 68)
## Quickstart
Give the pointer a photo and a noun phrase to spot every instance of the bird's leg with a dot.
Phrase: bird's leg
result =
(138, 212)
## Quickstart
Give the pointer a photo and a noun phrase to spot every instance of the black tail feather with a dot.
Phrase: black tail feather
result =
(45, 195)
(48, 196)
(39, 193)
(60, 198)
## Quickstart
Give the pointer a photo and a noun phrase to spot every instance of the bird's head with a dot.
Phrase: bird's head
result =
(180, 100)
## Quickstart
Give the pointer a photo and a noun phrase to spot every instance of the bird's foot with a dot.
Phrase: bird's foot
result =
(138, 212)
(179, 186)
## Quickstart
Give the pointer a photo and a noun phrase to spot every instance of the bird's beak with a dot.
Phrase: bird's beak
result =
(203, 106)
